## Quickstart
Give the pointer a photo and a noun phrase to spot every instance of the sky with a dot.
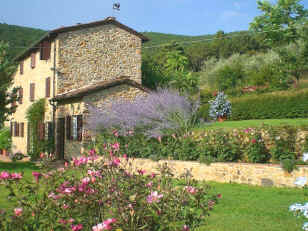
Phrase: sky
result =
(186, 17)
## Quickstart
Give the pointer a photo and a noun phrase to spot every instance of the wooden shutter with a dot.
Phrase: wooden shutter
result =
(32, 91)
(68, 127)
(21, 95)
(45, 50)
(14, 106)
(47, 87)
(79, 127)
(16, 129)
(33, 60)
(41, 131)
(21, 67)
(22, 129)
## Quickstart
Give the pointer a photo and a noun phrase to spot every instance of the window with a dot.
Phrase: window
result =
(74, 127)
(33, 60)
(32, 92)
(47, 87)
(21, 67)
(45, 50)
(21, 95)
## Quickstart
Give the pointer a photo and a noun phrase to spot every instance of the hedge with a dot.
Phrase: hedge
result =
(279, 105)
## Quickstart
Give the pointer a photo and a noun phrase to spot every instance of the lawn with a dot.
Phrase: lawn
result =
(254, 123)
(252, 208)
(241, 208)
(26, 167)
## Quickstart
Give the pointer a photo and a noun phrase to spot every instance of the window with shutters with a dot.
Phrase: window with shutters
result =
(21, 95)
(33, 60)
(47, 87)
(45, 50)
(74, 127)
(21, 67)
(32, 92)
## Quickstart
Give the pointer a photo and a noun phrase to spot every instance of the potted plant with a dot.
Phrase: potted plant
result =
(220, 107)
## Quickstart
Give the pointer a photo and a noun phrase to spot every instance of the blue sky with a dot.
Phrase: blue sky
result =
(188, 17)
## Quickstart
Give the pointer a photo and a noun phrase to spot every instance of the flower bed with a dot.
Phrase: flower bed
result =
(284, 145)
(104, 195)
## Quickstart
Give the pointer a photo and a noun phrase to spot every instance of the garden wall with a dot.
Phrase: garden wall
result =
(254, 174)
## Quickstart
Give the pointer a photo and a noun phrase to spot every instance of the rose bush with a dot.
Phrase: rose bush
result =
(92, 194)
(251, 145)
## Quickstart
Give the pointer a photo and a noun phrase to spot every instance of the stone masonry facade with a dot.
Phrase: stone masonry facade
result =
(95, 54)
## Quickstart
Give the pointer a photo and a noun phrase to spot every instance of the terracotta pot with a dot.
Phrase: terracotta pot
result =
(4, 152)
(221, 118)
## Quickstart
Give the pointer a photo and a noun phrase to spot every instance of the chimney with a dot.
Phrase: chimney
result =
(110, 18)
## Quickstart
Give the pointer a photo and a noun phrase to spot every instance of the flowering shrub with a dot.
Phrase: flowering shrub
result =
(256, 145)
(301, 209)
(89, 194)
(220, 106)
(256, 149)
(159, 113)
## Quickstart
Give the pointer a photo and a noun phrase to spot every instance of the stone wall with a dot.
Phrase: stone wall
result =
(96, 54)
(254, 174)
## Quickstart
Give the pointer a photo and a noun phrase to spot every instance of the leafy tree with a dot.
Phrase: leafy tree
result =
(7, 95)
(294, 59)
(280, 21)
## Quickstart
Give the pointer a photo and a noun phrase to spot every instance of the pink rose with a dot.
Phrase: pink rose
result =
(18, 212)
(4, 175)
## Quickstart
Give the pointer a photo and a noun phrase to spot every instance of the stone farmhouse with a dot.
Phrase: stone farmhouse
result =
(69, 67)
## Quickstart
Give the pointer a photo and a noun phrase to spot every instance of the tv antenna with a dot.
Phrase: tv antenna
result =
(116, 8)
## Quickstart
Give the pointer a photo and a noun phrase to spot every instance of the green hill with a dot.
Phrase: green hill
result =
(160, 38)
(19, 37)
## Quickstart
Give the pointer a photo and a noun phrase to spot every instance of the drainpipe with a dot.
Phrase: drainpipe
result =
(54, 107)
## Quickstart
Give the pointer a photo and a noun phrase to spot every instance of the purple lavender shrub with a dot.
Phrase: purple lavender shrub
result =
(159, 113)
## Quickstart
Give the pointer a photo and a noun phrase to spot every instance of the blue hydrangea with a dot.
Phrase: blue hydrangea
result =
(220, 106)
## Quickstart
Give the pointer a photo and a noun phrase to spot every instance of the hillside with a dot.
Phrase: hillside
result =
(19, 37)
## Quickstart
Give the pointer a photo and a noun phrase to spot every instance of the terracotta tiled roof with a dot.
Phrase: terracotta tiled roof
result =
(52, 34)
(78, 93)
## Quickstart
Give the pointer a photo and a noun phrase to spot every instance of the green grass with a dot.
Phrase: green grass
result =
(241, 208)
(26, 167)
(254, 123)
(252, 208)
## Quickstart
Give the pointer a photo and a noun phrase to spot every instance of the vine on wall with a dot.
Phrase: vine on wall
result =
(35, 116)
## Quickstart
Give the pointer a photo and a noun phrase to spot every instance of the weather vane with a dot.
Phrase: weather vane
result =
(116, 8)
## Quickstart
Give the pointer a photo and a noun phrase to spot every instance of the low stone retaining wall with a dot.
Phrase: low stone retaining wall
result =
(254, 174)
